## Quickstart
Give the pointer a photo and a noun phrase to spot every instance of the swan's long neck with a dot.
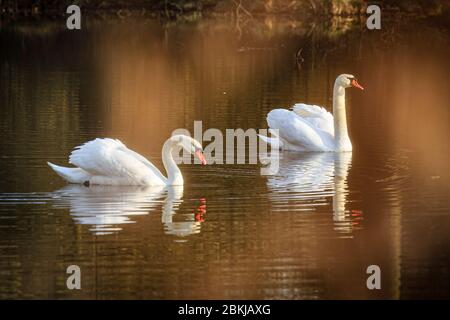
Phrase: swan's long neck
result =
(342, 141)
(174, 176)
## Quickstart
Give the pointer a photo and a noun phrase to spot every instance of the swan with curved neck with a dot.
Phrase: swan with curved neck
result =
(313, 128)
(110, 162)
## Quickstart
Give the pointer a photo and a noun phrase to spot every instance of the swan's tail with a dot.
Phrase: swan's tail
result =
(273, 142)
(72, 175)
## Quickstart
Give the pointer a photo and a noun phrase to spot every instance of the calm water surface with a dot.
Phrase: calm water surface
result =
(307, 232)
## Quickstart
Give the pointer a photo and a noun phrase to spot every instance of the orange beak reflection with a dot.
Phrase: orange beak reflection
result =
(200, 156)
(356, 84)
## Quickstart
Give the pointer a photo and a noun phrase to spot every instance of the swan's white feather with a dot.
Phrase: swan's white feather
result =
(109, 161)
(72, 175)
(275, 143)
(319, 117)
(297, 133)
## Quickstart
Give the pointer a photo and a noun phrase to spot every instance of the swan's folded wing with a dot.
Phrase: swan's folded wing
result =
(317, 116)
(295, 130)
(111, 158)
(149, 165)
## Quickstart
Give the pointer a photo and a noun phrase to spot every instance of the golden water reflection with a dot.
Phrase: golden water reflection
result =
(308, 232)
(106, 209)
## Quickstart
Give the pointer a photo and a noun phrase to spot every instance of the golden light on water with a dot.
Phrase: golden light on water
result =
(308, 232)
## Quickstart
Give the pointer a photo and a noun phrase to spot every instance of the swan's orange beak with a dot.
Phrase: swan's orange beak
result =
(200, 156)
(356, 84)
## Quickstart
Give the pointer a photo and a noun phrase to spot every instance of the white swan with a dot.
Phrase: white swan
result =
(312, 128)
(110, 162)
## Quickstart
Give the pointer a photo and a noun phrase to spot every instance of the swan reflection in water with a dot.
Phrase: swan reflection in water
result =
(309, 179)
(107, 208)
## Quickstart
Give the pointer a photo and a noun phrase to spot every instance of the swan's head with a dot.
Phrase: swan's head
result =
(190, 145)
(347, 81)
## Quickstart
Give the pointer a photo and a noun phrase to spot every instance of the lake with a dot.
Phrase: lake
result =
(307, 232)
